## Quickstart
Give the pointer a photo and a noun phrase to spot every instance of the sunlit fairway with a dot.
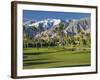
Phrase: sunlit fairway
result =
(54, 57)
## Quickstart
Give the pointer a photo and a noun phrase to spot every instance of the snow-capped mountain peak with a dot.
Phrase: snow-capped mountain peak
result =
(71, 27)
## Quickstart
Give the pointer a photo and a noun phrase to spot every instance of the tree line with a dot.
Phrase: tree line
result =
(57, 38)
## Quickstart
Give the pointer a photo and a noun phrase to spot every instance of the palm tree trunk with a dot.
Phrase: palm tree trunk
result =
(36, 44)
(41, 44)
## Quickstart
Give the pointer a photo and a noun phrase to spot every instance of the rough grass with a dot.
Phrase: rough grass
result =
(54, 57)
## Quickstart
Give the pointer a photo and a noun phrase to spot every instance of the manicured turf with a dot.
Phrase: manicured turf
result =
(54, 57)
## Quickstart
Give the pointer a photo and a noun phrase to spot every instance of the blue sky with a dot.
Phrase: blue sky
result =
(40, 15)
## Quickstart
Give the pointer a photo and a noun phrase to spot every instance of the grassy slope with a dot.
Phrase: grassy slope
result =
(54, 57)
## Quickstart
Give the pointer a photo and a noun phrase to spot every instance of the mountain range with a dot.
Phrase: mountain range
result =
(71, 26)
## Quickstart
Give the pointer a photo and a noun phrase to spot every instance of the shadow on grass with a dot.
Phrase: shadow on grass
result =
(77, 52)
(36, 53)
(39, 53)
(35, 59)
(71, 66)
(37, 63)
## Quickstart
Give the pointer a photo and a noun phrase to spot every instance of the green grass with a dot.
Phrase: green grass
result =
(54, 57)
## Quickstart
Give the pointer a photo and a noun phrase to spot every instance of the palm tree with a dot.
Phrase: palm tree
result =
(83, 38)
(45, 37)
(36, 39)
(61, 33)
(25, 40)
(88, 39)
